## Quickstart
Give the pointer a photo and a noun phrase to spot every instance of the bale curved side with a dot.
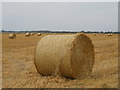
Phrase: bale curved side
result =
(66, 55)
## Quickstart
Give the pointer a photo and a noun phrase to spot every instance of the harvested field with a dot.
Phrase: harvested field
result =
(19, 70)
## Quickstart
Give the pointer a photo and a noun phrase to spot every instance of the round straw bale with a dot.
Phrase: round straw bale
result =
(27, 34)
(94, 34)
(12, 35)
(32, 33)
(39, 34)
(109, 34)
(67, 55)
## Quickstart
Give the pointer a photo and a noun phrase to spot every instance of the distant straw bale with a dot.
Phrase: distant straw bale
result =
(27, 34)
(67, 55)
(109, 34)
(39, 34)
(32, 33)
(94, 34)
(12, 35)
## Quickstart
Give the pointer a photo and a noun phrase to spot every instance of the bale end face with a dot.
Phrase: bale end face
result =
(81, 58)
(70, 55)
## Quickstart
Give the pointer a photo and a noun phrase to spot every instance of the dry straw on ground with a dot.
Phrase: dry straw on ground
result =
(12, 35)
(67, 55)
(39, 34)
(27, 34)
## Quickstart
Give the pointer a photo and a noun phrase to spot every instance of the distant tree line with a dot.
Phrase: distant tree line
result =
(48, 31)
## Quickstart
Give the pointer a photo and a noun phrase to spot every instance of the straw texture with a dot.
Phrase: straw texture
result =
(67, 55)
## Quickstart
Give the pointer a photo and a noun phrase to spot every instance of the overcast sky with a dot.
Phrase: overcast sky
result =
(95, 16)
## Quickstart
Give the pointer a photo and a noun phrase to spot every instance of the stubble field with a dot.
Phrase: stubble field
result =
(18, 69)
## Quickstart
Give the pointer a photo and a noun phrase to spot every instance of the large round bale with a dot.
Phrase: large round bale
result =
(39, 34)
(67, 55)
(27, 34)
(12, 35)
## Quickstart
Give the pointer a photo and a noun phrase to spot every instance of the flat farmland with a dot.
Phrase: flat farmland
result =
(18, 69)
